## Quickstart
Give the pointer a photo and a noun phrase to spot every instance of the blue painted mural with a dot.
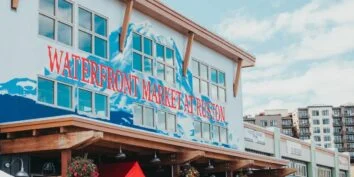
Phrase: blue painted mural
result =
(125, 86)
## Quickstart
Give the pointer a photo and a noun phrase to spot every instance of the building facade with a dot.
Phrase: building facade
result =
(330, 127)
(111, 76)
(279, 118)
(308, 159)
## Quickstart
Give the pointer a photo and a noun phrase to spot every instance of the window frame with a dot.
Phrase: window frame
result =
(92, 31)
(154, 122)
(166, 121)
(58, 20)
(143, 54)
(93, 112)
(55, 96)
(208, 80)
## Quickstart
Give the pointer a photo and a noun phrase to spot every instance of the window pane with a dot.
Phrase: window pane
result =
(147, 46)
(85, 19)
(214, 91)
(160, 52)
(160, 71)
(100, 47)
(100, 25)
(170, 74)
(222, 94)
(64, 33)
(85, 41)
(46, 26)
(148, 117)
(171, 122)
(137, 62)
(101, 108)
(206, 131)
(214, 76)
(195, 68)
(216, 133)
(204, 87)
(64, 95)
(221, 78)
(169, 56)
(45, 91)
(203, 71)
(195, 85)
(148, 65)
(223, 135)
(65, 10)
(197, 130)
(136, 41)
(85, 101)
(161, 120)
(138, 115)
(47, 6)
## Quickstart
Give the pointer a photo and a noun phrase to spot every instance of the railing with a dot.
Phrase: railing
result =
(349, 123)
(304, 124)
(337, 123)
(337, 132)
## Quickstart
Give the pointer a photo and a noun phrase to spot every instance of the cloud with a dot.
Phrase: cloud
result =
(327, 82)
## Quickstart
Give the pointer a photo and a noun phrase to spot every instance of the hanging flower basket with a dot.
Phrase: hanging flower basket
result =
(82, 167)
(190, 172)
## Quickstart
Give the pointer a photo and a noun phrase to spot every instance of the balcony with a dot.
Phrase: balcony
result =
(349, 123)
(336, 115)
(337, 124)
(304, 125)
(350, 140)
(342, 149)
(349, 132)
(338, 141)
(303, 116)
(287, 126)
(305, 134)
(350, 149)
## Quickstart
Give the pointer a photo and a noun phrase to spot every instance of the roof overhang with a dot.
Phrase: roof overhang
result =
(178, 22)
(86, 131)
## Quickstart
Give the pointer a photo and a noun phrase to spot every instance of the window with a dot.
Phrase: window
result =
(316, 130)
(142, 54)
(56, 20)
(210, 82)
(144, 116)
(301, 168)
(93, 103)
(326, 130)
(206, 131)
(317, 138)
(324, 172)
(217, 85)
(287, 132)
(92, 33)
(55, 93)
(315, 113)
(327, 138)
(325, 121)
(203, 131)
(167, 121)
(165, 63)
(273, 123)
(264, 123)
(327, 145)
(342, 174)
(316, 122)
(325, 112)
(198, 129)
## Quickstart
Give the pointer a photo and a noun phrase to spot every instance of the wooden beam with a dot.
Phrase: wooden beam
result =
(189, 156)
(187, 55)
(233, 166)
(65, 161)
(34, 132)
(236, 84)
(14, 4)
(127, 14)
(282, 172)
(48, 142)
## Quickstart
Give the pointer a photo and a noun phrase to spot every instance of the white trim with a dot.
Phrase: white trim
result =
(143, 107)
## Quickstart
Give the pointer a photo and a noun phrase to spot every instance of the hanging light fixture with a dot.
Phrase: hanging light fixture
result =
(155, 159)
(20, 173)
(120, 155)
(210, 166)
(249, 171)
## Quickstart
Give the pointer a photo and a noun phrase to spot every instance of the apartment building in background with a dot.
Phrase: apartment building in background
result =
(327, 126)
(279, 118)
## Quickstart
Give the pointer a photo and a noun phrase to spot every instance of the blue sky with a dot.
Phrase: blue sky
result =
(304, 48)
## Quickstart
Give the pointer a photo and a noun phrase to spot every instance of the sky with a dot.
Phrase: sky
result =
(304, 48)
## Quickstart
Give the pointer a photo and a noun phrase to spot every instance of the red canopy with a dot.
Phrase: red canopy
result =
(128, 169)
